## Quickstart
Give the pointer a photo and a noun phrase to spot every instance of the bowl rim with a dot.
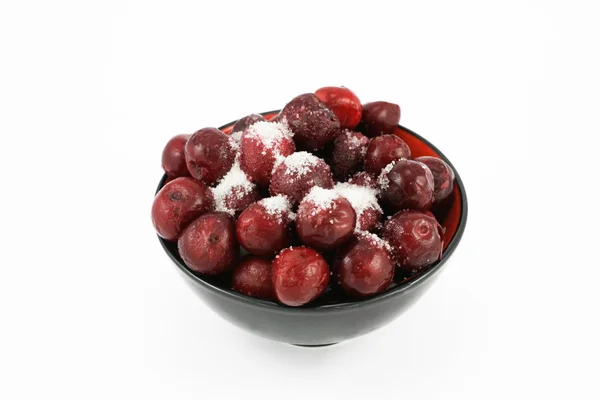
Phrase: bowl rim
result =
(387, 295)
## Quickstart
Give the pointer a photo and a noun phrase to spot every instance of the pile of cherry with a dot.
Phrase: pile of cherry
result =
(323, 191)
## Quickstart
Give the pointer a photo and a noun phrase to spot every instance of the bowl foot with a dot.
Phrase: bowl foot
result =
(314, 345)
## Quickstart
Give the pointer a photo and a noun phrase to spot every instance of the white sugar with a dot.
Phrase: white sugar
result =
(374, 240)
(300, 163)
(321, 198)
(278, 206)
(360, 197)
(268, 133)
(234, 184)
(354, 141)
(383, 179)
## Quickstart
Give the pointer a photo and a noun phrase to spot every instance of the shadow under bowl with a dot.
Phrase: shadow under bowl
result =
(326, 322)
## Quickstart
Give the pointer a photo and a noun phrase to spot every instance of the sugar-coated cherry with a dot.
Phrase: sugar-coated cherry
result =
(252, 277)
(443, 177)
(406, 184)
(235, 192)
(297, 174)
(379, 118)
(261, 147)
(325, 219)
(173, 157)
(364, 202)
(208, 245)
(365, 179)
(344, 104)
(415, 238)
(348, 153)
(300, 275)
(263, 228)
(364, 266)
(382, 150)
(244, 123)
(177, 204)
(209, 155)
(313, 123)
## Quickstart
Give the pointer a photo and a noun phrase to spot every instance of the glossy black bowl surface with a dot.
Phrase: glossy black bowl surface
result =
(321, 324)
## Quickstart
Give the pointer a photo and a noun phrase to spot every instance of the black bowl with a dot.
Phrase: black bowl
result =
(324, 324)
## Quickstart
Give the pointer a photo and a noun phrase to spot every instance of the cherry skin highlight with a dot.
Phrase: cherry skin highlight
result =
(177, 204)
(415, 238)
(252, 277)
(344, 104)
(173, 157)
(382, 150)
(300, 275)
(408, 184)
(208, 245)
(209, 155)
(379, 118)
(363, 267)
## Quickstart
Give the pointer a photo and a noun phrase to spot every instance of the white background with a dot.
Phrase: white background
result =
(91, 307)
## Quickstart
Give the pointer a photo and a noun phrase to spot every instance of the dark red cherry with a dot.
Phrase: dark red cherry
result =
(348, 153)
(209, 155)
(382, 150)
(415, 239)
(379, 118)
(208, 244)
(406, 184)
(297, 174)
(325, 220)
(364, 266)
(173, 157)
(300, 275)
(178, 203)
(313, 123)
(443, 177)
(252, 277)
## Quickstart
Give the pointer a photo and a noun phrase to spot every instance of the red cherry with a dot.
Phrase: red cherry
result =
(208, 244)
(364, 266)
(261, 147)
(348, 153)
(300, 275)
(244, 123)
(415, 238)
(209, 155)
(406, 184)
(383, 150)
(443, 177)
(177, 204)
(297, 174)
(252, 277)
(344, 104)
(325, 220)
(365, 179)
(379, 118)
(263, 227)
(173, 157)
(313, 123)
